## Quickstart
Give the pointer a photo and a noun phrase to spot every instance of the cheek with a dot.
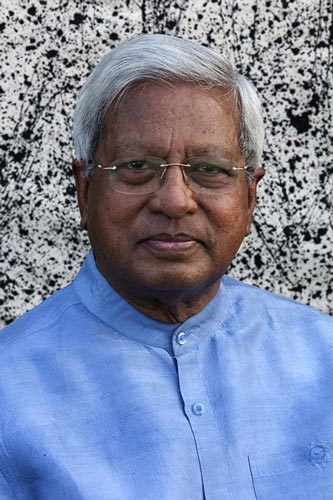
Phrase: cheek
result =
(101, 205)
(100, 220)
(111, 218)
(229, 215)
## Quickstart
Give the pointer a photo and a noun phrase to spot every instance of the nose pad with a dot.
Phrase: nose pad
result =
(174, 198)
(185, 177)
(182, 168)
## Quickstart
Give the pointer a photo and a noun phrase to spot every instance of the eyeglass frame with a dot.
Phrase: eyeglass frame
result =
(164, 166)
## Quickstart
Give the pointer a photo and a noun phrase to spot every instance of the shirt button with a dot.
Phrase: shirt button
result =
(198, 408)
(318, 453)
(181, 338)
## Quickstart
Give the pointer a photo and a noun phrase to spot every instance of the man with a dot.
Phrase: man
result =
(150, 377)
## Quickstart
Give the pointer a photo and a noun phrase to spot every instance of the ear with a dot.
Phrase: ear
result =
(82, 187)
(256, 176)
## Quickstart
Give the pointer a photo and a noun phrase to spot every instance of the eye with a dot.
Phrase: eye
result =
(136, 165)
(209, 168)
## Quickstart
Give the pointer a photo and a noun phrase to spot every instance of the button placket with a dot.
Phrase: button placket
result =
(202, 420)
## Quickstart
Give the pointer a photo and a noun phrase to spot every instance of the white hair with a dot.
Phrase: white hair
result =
(168, 60)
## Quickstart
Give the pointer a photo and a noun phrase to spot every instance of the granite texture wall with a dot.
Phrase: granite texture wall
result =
(48, 49)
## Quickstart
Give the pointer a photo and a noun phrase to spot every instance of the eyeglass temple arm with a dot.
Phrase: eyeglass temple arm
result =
(113, 167)
(164, 165)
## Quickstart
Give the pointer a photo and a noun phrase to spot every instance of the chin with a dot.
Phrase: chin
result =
(178, 281)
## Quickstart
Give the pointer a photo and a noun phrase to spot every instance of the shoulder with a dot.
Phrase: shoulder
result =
(40, 318)
(274, 308)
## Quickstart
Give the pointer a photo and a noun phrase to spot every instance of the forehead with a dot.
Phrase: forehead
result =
(184, 118)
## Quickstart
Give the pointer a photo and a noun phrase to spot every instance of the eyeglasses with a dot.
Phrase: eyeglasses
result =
(200, 174)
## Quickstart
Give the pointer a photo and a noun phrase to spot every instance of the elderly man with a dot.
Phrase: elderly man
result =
(153, 375)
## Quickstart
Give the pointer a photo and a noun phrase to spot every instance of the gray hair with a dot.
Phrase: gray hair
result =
(168, 60)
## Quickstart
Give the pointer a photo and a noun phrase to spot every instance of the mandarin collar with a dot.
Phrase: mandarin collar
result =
(97, 295)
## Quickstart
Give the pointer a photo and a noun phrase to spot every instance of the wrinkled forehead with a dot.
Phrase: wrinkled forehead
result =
(155, 113)
(150, 90)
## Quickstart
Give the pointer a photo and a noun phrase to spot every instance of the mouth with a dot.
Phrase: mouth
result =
(168, 243)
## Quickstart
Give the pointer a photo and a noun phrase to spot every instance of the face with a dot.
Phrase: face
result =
(172, 239)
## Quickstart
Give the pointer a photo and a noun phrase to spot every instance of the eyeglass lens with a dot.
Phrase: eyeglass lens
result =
(147, 176)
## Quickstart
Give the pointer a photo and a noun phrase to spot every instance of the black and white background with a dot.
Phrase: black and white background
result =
(48, 47)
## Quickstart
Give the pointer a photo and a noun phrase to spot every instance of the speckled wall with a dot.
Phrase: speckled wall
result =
(48, 49)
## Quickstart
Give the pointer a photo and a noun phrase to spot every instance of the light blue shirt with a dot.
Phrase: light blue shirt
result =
(99, 402)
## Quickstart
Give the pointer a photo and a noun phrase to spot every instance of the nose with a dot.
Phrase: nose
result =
(174, 198)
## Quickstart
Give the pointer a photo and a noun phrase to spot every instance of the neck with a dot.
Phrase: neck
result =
(167, 306)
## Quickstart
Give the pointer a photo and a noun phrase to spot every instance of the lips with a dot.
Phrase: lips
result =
(165, 242)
